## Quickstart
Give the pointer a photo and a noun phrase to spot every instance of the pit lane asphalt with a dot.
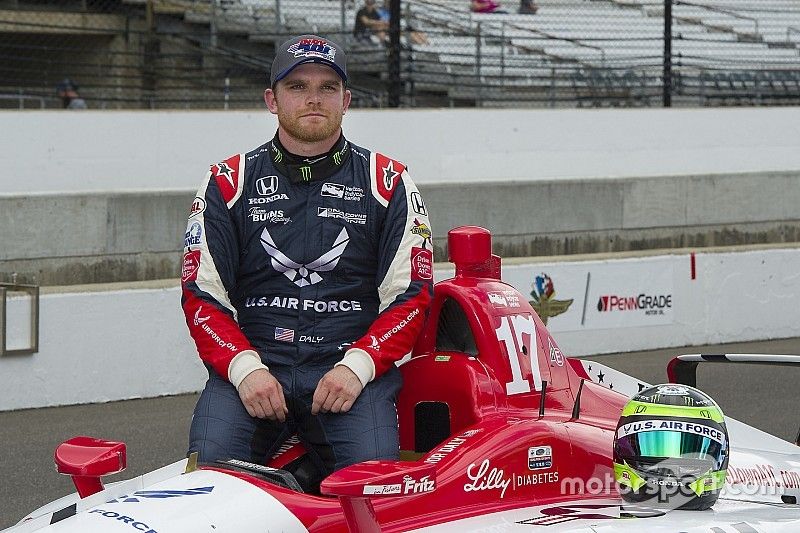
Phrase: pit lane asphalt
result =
(155, 430)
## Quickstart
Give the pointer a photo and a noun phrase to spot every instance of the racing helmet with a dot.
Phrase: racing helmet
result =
(671, 448)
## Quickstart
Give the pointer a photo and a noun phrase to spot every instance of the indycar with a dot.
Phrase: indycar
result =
(499, 432)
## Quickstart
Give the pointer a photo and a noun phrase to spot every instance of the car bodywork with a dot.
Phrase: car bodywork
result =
(500, 432)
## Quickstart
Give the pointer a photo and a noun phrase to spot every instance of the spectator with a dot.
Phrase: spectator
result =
(385, 11)
(67, 90)
(528, 7)
(369, 23)
(412, 35)
(485, 6)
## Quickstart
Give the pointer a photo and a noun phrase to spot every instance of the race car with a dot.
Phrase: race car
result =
(499, 432)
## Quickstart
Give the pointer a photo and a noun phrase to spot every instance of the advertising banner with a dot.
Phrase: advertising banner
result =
(599, 294)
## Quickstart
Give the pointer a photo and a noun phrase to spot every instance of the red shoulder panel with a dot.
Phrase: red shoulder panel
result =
(387, 175)
(227, 175)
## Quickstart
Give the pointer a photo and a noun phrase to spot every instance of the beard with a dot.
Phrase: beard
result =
(313, 132)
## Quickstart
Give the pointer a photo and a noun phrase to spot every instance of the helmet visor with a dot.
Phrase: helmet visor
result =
(697, 453)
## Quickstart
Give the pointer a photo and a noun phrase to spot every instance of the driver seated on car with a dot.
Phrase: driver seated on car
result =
(307, 273)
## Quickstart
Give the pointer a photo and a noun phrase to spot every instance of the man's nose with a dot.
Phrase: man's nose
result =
(314, 95)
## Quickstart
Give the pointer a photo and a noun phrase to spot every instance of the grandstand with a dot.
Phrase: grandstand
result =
(214, 53)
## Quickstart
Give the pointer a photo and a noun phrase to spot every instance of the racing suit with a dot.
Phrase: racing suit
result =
(299, 265)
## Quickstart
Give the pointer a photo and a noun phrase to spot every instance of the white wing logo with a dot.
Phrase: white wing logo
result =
(300, 274)
(200, 319)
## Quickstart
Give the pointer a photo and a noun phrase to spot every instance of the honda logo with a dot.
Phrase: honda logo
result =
(267, 185)
(417, 205)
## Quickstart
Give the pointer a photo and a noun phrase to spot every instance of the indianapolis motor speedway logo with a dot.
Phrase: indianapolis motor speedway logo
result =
(543, 302)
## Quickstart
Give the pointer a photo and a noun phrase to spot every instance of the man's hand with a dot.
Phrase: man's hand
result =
(336, 391)
(262, 396)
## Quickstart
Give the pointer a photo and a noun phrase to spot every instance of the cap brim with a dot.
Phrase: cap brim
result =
(319, 60)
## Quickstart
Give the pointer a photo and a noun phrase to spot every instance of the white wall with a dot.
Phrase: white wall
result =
(100, 346)
(47, 151)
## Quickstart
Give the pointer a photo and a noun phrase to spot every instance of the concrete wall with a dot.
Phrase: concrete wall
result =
(62, 239)
(101, 196)
(95, 150)
(111, 343)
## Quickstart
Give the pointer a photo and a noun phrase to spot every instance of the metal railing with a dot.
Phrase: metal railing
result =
(21, 98)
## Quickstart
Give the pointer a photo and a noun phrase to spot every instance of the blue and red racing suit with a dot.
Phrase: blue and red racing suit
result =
(298, 265)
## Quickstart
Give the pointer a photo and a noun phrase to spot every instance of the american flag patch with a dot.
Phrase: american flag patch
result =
(283, 334)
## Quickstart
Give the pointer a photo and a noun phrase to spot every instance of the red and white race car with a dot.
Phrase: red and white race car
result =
(501, 432)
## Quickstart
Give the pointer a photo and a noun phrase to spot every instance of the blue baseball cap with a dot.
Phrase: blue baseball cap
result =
(307, 49)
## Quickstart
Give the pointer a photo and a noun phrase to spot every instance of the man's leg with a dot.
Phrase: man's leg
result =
(222, 429)
(367, 431)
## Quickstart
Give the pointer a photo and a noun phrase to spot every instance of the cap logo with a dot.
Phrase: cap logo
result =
(313, 48)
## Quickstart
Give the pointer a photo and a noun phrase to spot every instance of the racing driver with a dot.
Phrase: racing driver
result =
(307, 273)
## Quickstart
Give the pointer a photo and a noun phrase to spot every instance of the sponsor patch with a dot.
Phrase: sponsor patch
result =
(304, 274)
(481, 478)
(421, 264)
(345, 192)
(497, 299)
(421, 229)
(191, 264)
(373, 490)
(139, 495)
(417, 204)
(200, 319)
(267, 185)
(412, 486)
(352, 218)
(319, 306)
(275, 216)
(198, 206)
(267, 199)
(387, 175)
(227, 177)
(540, 457)
(313, 48)
(283, 334)
(504, 298)
(194, 235)
(332, 190)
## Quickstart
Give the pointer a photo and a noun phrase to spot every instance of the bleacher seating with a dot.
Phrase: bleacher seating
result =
(571, 50)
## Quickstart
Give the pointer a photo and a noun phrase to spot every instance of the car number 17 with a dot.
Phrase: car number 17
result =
(518, 334)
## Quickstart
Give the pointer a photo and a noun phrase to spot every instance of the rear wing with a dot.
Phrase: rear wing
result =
(683, 368)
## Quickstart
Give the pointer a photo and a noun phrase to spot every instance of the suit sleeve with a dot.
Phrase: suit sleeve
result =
(210, 262)
(405, 273)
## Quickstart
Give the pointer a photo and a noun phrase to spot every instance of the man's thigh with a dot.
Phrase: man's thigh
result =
(222, 429)
(367, 431)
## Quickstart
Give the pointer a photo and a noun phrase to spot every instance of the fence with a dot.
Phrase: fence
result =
(571, 53)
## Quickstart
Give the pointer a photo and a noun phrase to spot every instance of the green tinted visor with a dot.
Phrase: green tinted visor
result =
(699, 453)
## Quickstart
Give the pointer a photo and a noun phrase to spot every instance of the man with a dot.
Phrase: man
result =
(307, 273)
(67, 91)
(369, 22)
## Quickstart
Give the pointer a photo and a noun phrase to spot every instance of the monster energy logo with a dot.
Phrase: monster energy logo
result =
(305, 172)
(337, 157)
(278, 156)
